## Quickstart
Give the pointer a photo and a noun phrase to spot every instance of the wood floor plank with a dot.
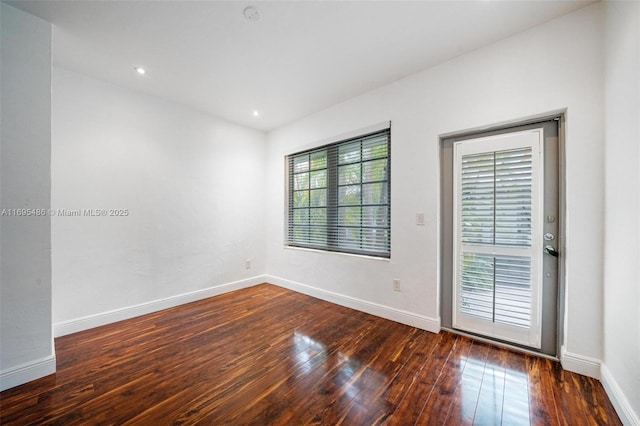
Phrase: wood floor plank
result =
(269, 356)
(436, 409)
(542, 405)
(370, 380)
(568, 400)
(369, 403)
(516, 409)
(465, 399)
(340, 385)
(598, 405)
(394, 392)
(420, 390)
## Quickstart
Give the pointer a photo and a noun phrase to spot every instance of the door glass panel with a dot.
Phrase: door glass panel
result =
(478, 201)
(513, 290)
(496, 288)
(496, 192)
(477, 287)
(513, 197)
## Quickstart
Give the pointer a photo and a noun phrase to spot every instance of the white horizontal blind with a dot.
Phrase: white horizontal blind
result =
(513, 170)
(496, 288)
(513, 290)
(496, 210)
(308, 198)
(497, 193)
(478, 200)
(496, 198)
(339, 196)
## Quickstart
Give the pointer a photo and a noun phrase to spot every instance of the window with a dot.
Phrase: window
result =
(339, 196)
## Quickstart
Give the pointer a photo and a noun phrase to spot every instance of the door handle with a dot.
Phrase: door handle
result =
(551, 251)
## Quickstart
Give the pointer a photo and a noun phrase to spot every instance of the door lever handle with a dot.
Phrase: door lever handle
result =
(551, 251)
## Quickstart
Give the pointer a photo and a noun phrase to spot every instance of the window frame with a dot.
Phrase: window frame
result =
(330, 230)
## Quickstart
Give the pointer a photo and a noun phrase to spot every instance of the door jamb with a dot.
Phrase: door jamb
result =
(560, 117)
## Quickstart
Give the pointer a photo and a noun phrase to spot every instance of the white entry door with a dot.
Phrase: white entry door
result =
(497, 236)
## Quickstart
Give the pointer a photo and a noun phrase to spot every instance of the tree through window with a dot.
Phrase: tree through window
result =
(339, 196)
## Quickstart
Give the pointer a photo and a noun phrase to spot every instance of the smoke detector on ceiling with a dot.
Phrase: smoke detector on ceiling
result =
(252, 14)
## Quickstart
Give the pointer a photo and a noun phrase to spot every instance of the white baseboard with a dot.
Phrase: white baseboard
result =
(27, 372)
(620, 402)
(79, 324)
(580, 364)
(398, 315)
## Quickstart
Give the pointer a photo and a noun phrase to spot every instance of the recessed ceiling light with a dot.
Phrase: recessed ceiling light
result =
(252, 14)
(140, 70)
(256, 113)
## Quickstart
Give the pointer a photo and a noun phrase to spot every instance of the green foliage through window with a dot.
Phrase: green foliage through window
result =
(339, 196)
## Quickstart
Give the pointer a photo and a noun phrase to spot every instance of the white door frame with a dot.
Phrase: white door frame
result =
(533, 138)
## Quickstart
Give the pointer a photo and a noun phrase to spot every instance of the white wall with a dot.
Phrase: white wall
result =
(621, 357)
(193, 187)
(25, 242)
(551, 67)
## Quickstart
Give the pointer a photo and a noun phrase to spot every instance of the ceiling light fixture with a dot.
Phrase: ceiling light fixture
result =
(140, 70)
(256, 113)
(252, 14)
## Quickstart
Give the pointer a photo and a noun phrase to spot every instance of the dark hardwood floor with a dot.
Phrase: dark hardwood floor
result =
(270, 356)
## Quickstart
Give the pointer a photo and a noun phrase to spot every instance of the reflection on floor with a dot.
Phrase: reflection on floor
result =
(270, 356)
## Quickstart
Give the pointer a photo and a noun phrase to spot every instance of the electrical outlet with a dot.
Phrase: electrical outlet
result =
(247, 264)
(396, 285)
(419, 218)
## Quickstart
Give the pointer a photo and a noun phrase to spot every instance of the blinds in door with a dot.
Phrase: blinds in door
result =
(495, 233)
(496, 210)
(496, 198)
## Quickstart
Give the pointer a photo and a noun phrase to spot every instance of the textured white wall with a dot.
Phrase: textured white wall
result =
(622, 202)
(551, 67)
(193, 186)
(25, 242)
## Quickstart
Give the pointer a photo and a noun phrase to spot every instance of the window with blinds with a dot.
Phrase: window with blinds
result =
(339, 196)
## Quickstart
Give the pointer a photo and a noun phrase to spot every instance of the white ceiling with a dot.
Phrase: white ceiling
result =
(301, 58)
